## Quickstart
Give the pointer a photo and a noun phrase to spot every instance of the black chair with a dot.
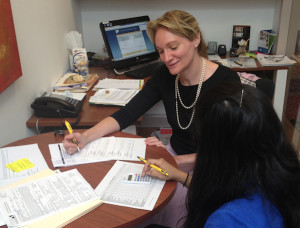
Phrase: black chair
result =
(267, 86)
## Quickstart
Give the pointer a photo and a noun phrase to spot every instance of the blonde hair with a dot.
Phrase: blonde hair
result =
(179, 23)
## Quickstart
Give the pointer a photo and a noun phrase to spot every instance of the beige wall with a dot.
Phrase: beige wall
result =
(40, 27)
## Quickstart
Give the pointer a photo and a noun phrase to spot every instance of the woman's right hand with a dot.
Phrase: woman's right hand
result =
(173, 172)
(70, 146)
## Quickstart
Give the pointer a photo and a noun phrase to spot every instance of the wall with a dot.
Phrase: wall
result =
(40, 28)
(294, 26)
(215, 17)
(281, 25)
(41, 25)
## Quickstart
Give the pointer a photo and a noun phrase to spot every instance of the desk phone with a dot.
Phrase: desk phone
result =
(55, 105)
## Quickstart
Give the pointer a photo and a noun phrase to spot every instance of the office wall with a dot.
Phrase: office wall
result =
(41, 25)
(294, 27)
(215, 17)
(40, 28)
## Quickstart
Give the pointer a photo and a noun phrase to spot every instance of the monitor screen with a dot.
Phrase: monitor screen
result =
(127, 42)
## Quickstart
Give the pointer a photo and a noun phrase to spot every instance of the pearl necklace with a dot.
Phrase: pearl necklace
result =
(177, 93)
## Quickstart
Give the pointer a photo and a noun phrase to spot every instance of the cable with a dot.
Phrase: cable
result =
(37, 126)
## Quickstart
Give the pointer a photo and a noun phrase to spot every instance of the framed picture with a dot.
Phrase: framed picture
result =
(10, 67)
(239, 33)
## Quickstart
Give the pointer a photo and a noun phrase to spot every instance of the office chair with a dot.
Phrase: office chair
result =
(265, 85)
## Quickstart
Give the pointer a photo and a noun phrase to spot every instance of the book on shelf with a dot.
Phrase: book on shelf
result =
(266, 41)
(26, 203)
(116, 97)
(274, 60)
(75, 82)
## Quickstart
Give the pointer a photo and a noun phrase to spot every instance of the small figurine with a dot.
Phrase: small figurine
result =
(242, 50)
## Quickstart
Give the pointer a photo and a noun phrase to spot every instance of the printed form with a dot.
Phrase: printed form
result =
(12, 154)
(113, 190)
(119, 97)
(32, 201)
(102, 149)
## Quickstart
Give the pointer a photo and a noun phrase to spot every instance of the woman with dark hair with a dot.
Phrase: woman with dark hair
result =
(246, 173)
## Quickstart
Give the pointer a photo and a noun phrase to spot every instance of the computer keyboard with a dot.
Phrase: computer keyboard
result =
(144, 71)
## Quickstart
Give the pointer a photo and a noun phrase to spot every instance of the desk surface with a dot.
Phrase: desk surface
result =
(106, 215)
(92, 114)
(258, 67)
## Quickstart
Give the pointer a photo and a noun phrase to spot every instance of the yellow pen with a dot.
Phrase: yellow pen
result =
(70, 131)
(154, 166)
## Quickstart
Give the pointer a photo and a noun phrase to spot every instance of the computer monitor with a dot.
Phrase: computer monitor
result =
(127, 42)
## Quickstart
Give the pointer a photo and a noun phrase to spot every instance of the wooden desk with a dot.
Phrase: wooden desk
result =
(106, 215)
(90, 114)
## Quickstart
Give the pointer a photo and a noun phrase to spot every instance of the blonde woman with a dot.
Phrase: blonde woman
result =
(178, 83)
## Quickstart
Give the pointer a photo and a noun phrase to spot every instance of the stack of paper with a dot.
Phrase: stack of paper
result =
(75, 82)
(118, 97)
(102, 149)
(47, 199)
(109, 83)
(113, 190)
(9, 155)
(274, 60)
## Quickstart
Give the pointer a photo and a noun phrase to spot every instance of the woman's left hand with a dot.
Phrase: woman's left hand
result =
(173, 172)
(153, 141)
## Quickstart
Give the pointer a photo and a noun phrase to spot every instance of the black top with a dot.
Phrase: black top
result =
(161, 86)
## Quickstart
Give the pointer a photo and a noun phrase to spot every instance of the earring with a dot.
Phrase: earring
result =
(196, 45)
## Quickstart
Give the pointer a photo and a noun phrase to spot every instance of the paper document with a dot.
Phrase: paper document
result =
(239, 62)
(117, 97)
(274, 60)
(77, 96)
(246, 62)
(11, 154)
(112, 190)
(109, 83)
(102, 149)
(35, 200)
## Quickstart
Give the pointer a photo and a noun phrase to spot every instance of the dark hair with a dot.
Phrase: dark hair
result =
(242, 148)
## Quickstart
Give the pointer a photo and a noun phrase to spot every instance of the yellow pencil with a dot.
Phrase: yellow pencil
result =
(154, 166)
(70, 131)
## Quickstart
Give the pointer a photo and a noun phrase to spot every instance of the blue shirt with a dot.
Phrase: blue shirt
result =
(246, 212)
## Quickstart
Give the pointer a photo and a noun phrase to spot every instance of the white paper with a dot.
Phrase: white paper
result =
(12, 154)
(113, 96)
(274, 60)
(2, 222)
(112, 190)
(109, 83)
(77, 96)
(102, 149)
(32, 201)
(247, 62)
